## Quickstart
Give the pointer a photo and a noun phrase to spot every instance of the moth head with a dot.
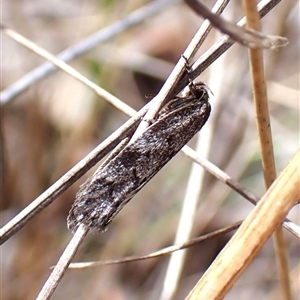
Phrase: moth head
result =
(200, 90)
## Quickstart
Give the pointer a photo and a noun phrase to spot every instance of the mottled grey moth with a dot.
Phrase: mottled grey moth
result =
(114, 184)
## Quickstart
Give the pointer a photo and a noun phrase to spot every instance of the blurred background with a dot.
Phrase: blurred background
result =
(51, 126)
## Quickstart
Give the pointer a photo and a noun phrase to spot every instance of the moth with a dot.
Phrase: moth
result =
(113, 185)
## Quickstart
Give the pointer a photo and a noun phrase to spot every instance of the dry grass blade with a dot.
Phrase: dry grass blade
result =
(251, 236)
(265, 136)
(69, 70)
(164, 251)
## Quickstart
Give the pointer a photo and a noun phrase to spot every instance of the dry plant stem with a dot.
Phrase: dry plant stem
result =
(164, 251)
(265, 136)
(294, 275)
(251, 236)
(236, 186)
(260, 98)
(83, 47)
(245, 36)
(282, 263)
(166, 91)
(91, 159)
(62, 265)
(69, 70)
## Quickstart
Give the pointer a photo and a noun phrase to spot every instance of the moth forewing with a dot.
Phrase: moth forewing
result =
(121, 178)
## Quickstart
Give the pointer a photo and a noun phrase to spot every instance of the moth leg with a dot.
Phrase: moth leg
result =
(172, 104)
(187, 65)
(198, 89)
(149, 121)
(188, 69)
